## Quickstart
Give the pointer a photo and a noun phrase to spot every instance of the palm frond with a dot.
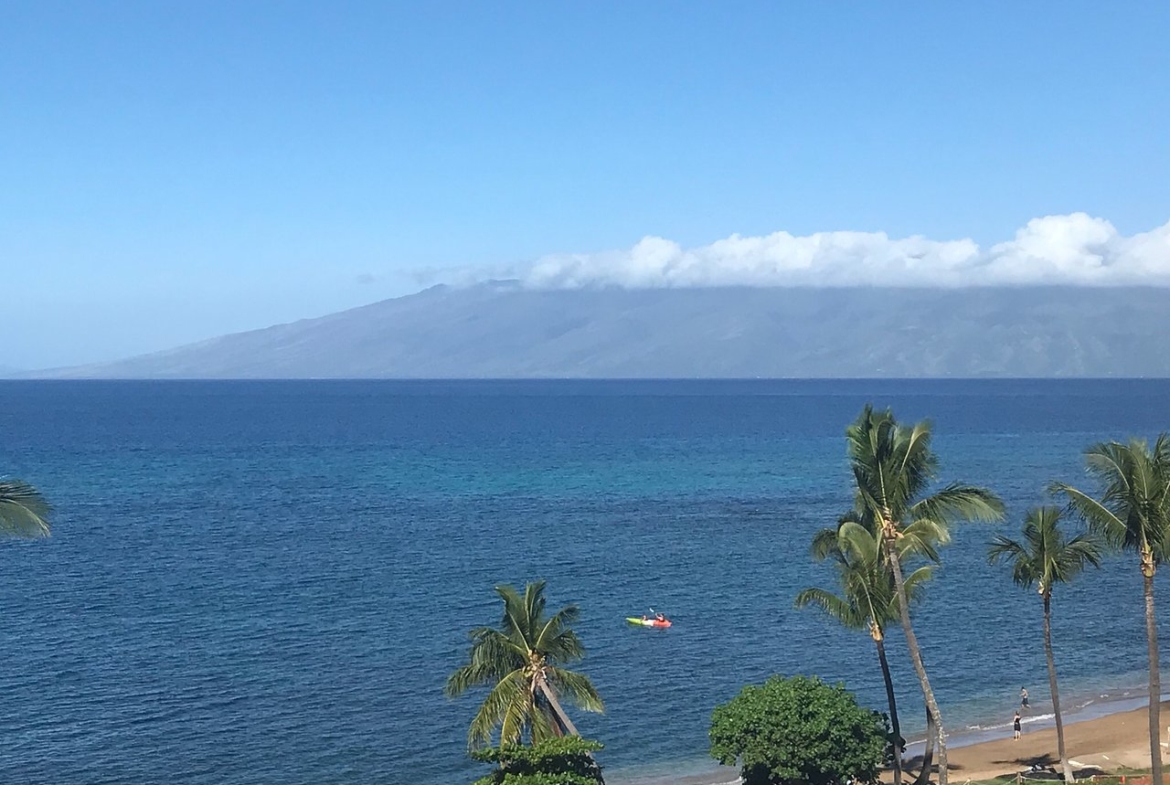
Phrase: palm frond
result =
(915, 585)
(825, 545)
(957, 502)
(520, 712)
(893, 466)
(514, 659)
(1099, 517)
(514, 621)
(1132, 510)
(542, 724)
(492, 656)
(23, 510)
(533, 608)
(923, 538)
(841, 611)
(860, 543)
(576, 688)
(1045, 556)
(1078, 554)
(868, 596)
(508, 705)
(917, 464)
(566, 647)
(1005, 549)
(555, 641)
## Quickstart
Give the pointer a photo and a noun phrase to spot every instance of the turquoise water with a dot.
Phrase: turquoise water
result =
(269, 582)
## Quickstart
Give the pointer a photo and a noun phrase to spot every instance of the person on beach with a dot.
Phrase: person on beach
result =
(1023, 698)
(1016, 727)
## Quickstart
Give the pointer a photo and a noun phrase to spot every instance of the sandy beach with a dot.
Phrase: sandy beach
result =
(1105, 743)
(1102, 744)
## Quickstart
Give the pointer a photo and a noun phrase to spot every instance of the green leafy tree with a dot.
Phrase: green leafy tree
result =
(893, 466)
(1133, 515)
(556, 761)
(23, 510)
(1044, 558)
(868, 600)
(523, 663)
(798, 731)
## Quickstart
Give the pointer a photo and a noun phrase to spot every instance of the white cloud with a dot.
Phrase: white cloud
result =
(1060, 249)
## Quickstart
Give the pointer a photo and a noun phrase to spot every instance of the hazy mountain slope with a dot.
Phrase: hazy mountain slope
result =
(500, 330)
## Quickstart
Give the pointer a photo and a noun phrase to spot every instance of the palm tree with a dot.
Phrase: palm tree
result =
(523, 662)
(1133, 514)
(867, 600)
(892, 467)
(1046, 558)
(23, 510)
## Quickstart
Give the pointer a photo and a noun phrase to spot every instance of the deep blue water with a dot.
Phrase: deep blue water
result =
(268, 582)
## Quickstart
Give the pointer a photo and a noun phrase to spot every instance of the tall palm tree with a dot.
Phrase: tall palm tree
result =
(893, 466)
(1133, 514)
(523, 661)
(1045, 558)
(23, 510)
(867, 600)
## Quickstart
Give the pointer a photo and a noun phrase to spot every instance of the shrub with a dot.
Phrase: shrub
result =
(798, 731)
(561, 761)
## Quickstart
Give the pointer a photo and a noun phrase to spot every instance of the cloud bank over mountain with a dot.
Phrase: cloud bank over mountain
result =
(1076, 249)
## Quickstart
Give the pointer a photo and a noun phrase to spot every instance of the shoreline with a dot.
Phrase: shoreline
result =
(973, 736)
(1101, 736)
(1106, 742)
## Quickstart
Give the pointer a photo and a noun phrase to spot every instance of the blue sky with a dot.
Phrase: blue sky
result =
(174, 171)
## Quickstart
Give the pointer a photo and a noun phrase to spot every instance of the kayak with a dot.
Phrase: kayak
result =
(648, 622)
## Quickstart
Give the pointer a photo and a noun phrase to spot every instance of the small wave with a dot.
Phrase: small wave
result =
(989, 727)
(1006, 725)
(1037, 718)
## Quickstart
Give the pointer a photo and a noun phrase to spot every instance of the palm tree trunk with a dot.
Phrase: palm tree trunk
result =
(1064, 764)
(559, 715)
(1155, 676)
(562, 719)
(916, 657)
(927, 752)
(893, 702)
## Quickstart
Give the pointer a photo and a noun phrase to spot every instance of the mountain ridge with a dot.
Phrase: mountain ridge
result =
(502, 330)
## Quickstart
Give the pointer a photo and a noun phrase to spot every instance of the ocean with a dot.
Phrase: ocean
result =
(269, 582)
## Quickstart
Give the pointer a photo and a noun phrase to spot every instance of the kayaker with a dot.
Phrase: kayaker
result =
(660, 617)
